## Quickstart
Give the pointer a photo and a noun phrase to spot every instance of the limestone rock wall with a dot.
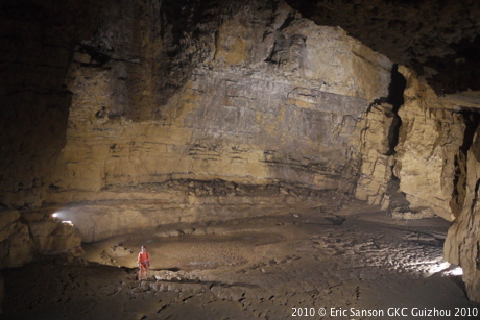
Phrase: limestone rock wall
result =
(37, 38)
(265, 101)
(463, 242)
(376, 168)
(429, 161)
(436, 163)
(431, 135)
(426, 36)
(23, 236)
(16, 244)
(121, 115)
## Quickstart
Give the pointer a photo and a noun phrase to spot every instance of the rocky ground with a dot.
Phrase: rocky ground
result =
(354, 261)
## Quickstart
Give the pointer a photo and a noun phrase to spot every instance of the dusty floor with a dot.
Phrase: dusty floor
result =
(309, 266)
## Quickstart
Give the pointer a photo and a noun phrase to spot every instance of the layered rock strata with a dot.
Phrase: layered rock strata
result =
(37, 40)
(252, 107)
(436, 165)
(376, 168)
(431, 135)
(437, 39)
(129, 115)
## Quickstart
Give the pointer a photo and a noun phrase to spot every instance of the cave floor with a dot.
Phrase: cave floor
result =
(356, 263)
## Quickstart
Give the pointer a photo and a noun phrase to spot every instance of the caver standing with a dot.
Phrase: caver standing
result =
(143, 263)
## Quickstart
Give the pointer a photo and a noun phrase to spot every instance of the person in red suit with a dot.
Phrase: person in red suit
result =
(143, 263)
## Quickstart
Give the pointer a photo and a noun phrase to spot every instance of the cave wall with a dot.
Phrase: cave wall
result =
(437, 39)
(428, 157)
(434, 167)
(124, 115)
(463, 242)
(37, 40)
(241, 113)
(431, 135)
(375, 171)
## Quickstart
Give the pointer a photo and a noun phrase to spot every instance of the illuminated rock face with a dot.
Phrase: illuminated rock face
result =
(37, 41)
(263, 111)
(22, 238)
(377, 162)
(124, 116)
(438, 38)
(463, 242)
(437, 162)
(424, 160)
(430, 139)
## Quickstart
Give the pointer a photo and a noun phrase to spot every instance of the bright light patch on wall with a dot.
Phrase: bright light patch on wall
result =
(447, 269)
(60, 215)
(440, 267)
(457, 271)
(68, 222)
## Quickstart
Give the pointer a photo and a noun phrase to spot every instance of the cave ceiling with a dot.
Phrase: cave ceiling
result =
(437, 38)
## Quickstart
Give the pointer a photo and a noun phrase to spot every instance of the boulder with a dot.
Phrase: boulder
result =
(16, 247)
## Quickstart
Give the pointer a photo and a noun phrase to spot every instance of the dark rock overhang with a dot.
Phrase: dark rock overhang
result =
(436, 38)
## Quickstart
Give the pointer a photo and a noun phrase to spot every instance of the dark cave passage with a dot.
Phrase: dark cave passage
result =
(395, 98)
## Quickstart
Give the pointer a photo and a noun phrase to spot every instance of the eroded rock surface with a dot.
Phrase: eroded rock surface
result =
(265, 102)
(377, 162)
(16, 244)
(430, 139)
(23, 236)
(438, 39)
(463, 242)
(128, 115)
(37, 41)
